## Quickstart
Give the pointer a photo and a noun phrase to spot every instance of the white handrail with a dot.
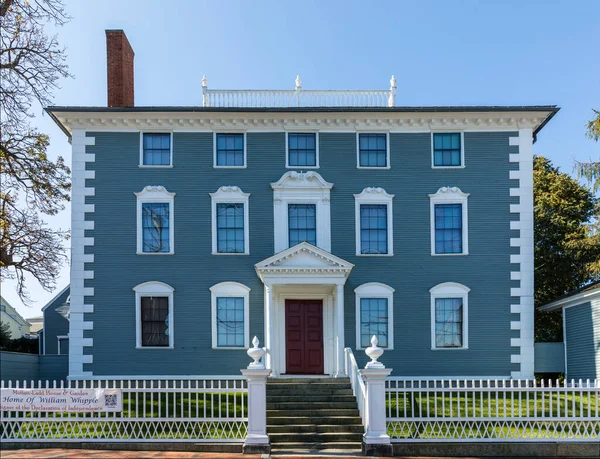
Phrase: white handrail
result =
(356, 381)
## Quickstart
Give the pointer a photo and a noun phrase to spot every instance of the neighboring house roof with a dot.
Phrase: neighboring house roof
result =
(55, 297)
(12, 312)
(581, 295)
(37, 323)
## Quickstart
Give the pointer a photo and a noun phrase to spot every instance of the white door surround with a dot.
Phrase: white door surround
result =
(304, 272)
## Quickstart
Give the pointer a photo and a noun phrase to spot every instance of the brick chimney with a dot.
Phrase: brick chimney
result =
(119, 57)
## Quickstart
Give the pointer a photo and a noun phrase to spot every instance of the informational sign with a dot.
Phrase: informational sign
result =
(71, 400)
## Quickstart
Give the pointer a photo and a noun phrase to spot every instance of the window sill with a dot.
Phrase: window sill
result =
(384, 348)
(230, 254)
(147, 166)
(287, 166)
(374, 167)
(155, 253)
(449, 254)
(447, 167)
(374, 254)
(449, 348)
(155, 347)
(229, 167)
(222, 348)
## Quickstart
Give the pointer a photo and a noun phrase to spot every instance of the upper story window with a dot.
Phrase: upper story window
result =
(154, 315)
(302, 223)
(373, 215)
(449, 318)
(230, 315)
(374, 313)
(449, 222)
(156, 149)
(230, 150)
(301, 210)
(373, 150)
(302, 150)
(230, 221)
(448, 149)
(155, 232)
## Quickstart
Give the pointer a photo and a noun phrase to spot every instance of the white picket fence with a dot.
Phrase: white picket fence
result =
(492, 410)
(206, 410)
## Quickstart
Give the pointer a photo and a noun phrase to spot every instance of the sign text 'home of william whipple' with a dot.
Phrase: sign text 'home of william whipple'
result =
(57, 400)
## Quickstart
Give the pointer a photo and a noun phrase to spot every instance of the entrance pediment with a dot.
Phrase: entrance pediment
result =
(303, 259)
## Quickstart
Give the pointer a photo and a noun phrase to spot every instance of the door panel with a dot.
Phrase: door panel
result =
(304, 336)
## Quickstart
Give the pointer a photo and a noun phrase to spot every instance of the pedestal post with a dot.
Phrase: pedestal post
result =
(339, 310)
(269, 326)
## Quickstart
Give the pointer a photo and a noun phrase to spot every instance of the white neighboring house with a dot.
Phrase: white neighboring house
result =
(18, 325)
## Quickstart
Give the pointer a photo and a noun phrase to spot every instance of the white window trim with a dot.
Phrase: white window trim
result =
(230, 195)
(215, 151)
(375, 290)
(230, 289)
(153, 288)
(374, 195)
(450, 195)
(155, 194)
(301, 188)
(451, 290)
(387, 148)
(156, 166)
(287, 150)
(60, 338)
(462, 150)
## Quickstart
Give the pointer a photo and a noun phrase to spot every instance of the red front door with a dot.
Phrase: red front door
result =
(304, 336)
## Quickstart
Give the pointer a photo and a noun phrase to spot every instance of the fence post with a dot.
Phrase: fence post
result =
(257, 440)
(376, 441)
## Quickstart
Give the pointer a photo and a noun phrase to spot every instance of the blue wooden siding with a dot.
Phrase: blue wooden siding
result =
(583, 341)
(55, 324)
(192, 269)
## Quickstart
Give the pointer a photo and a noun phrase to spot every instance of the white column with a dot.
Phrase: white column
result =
(339, 310)
(269, 311)
(257, 440)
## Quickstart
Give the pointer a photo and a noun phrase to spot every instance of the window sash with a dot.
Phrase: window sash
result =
(230, 150)
(447, 149)
(156, 234)
(448, 322)
(154, 321)
(302, 150)
(156, 149)
(230, 322)
(374, 320)
(373, 229)
(448, 228)
(372, 150)
(230, 228)
(302, 223)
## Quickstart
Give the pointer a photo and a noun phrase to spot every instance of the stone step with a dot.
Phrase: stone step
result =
(311, 405)
(298, 448)
(324, 389)
(309, 381)
(314, 437)
(317, 428)
(291, 421)
(306, 411)
(304, 399)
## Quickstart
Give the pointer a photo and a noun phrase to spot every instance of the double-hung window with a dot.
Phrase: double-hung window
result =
(302, 150)
(449, 318)
(154, 315)
(449, 222)
(373, 209)
(374, 313)
(156, 149)
(155, 221)
(302, 223)
(230, 221)
(230, 313)
(373, 150)
(447, 149)
(230, 150)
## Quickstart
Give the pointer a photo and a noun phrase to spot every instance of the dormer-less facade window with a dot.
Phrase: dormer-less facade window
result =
(157, 149)
(302, 150)
(230, 150)
(449, 222)
(374, 221)
(155, 221)
(230, 234)
(373, 151)
(448, 149)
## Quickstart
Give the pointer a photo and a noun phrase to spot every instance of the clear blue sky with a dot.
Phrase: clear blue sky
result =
(460, 52)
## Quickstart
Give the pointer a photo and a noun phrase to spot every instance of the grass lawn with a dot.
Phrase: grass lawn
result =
(487, 414)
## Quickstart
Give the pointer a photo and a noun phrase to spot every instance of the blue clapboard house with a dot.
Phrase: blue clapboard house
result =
(310, 219)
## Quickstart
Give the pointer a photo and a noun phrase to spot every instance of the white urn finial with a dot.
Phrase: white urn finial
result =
(393, 82)
(298, 82)
(374, 352)
(204, 81)
(256, 353)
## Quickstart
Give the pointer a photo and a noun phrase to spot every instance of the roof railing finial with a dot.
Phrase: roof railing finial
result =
(298, 82)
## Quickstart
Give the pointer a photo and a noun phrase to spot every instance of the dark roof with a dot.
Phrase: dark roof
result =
(553, 109)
